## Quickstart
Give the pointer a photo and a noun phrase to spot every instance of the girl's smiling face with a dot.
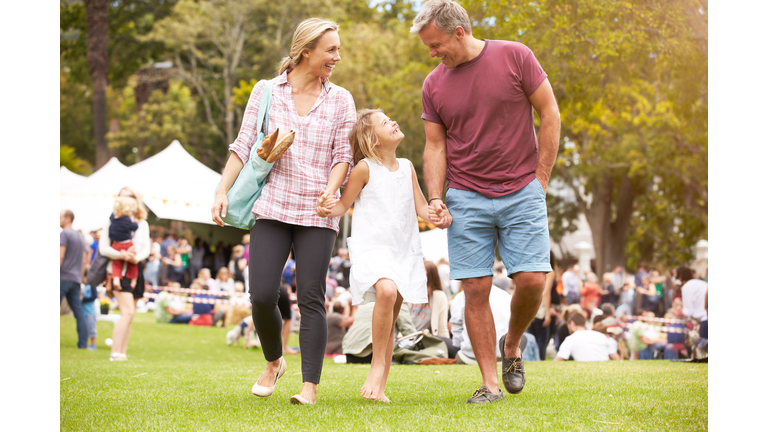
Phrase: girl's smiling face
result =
(323, 58)
(386, 129)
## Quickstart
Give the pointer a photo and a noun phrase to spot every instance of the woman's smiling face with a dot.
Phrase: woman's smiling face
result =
(323, 58)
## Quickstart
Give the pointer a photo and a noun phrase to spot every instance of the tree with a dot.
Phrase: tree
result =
(96, 12)
(125, 55)
(70, 160)
(164, 118)
(631, 80)
(216, 43)
(75, 119)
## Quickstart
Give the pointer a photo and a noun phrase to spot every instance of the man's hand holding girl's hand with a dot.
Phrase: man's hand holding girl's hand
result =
(439, 214)
(325, 204)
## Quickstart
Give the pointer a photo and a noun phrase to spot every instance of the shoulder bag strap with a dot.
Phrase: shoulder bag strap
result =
(263, 119)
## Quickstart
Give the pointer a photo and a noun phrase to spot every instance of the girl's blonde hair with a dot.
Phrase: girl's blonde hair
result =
(125, 206)
(305, 38)
(362, 138)
(141, 213)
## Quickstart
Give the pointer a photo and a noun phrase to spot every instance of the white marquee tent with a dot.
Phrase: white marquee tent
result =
(91, 200)
(68, 179)
(173, 184)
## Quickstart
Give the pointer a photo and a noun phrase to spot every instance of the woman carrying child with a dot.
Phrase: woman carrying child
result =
(321, 114)
(127, 294)
(385, 248)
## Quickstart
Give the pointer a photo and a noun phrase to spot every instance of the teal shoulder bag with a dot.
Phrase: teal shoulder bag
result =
(249, 183)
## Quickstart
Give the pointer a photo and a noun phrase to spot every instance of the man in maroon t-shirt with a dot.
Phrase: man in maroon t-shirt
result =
(478, 112)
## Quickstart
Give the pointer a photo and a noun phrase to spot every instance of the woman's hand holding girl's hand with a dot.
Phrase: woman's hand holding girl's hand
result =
(439, 214)
(325, 204)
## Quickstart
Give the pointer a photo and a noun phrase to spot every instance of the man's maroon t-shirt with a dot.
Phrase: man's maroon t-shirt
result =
(483, 104)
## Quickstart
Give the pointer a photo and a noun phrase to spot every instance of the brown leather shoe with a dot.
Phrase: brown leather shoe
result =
(513, 370)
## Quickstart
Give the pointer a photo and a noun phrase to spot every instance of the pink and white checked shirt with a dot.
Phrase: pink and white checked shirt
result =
(321, 141)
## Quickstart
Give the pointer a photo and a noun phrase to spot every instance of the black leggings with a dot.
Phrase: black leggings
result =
(271, 242)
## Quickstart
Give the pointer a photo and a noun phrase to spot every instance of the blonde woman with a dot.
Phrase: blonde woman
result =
(126, 295)
(322, 115)
(223, 281)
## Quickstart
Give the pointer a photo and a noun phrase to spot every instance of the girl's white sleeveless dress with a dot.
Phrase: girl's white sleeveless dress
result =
(385, 240)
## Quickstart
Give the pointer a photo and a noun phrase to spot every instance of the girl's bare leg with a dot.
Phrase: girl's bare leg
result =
(122, 330)
(390, 347)
(386, 297)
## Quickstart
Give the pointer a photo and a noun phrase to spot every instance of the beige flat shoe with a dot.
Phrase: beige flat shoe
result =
(298, 400)
(264, 391)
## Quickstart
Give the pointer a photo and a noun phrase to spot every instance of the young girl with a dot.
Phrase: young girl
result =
(385, 249)
(122, 225)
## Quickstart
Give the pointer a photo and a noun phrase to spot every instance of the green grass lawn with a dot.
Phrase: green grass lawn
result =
(187, 378)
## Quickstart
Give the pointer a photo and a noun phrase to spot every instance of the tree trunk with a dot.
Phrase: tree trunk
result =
(609, 236)
(616, 243)
(598, 216)
(97, 13)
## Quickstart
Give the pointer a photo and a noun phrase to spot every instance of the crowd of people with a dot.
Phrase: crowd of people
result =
(577, 304)
(575, 309)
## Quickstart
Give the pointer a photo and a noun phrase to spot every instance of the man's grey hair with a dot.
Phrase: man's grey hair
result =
(446, 14)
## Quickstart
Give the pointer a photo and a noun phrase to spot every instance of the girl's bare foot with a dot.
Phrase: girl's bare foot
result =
(372, 386)
(288, 350)
(383, 398)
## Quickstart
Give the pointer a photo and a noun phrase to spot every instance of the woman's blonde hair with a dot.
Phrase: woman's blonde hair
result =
(125, 206)
(141, 213)
(305, 38)
(362, 138)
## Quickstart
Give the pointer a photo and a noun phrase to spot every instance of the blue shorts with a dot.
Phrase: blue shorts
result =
(517, 221)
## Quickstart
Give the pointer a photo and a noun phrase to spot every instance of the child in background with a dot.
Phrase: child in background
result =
(385, 248)
(202, 313)
(89, 310)
(121, 228)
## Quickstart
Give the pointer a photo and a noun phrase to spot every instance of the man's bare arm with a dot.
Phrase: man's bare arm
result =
(435, 165)
(543, 101)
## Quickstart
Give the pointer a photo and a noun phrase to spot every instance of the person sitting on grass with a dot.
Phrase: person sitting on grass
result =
(205, 275)
(202, 313)
(563, 331)
(644, 341)
(357, 344)
(586, 345)
(499, 301)
(223, 281)
(338, 320)
(170, 310)
(234, 313)
(246, 329)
